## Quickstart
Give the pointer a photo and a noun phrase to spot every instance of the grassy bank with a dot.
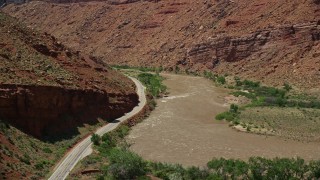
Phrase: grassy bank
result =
(274, 111)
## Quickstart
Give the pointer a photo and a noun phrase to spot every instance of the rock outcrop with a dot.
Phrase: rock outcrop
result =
(272, 41)
(47, 89)
(233, 49)
(46, 111)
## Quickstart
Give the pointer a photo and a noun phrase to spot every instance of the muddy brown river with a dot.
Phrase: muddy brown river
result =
(182, 129)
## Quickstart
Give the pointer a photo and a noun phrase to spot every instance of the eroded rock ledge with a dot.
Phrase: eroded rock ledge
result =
(47, 111)
(232, 49)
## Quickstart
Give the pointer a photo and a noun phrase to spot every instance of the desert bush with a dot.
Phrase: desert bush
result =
(287, 87)
(229, 115)
(279, 168)
(221, 79)
(111, 139)
(47, 150)
(229, 168)
(125, 164)
(226, 116)
(95, 138)
(4, 126)
(153, 83)
(234, 108)
(166, 171)
(251, 84)
(196, 173)
(25, 158)
(209, 75)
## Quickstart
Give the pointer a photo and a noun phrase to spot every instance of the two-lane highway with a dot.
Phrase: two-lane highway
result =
(84, 148)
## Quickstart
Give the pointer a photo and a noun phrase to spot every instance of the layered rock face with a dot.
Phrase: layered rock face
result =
(273, 41)
(47, 111)
(233, 49)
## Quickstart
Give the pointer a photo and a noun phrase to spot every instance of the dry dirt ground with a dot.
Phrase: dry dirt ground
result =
(182, 129)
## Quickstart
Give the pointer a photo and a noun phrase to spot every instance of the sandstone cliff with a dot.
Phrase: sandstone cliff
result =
(47, 89)
(266, 40)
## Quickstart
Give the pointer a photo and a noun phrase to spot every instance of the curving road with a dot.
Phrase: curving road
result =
(84, 148)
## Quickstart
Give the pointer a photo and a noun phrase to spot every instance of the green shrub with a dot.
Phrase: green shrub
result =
(277, 168)
(234, 108)
(209, 75)
(125, 164)
(111, 139)
(226, 116)
(251, 84)
(314, 168)
(95, 138)
(153, 83)
(166, 171)
(26, 159)
(196, 173)
(221, 79)
(122, 131)
(4, 126)
(238, 81)
(42, 164)
(287, 87)
(47, 150)
(229, 168)
(281, 102)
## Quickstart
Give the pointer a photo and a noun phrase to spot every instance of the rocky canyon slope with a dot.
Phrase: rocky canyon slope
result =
(274, 41)
(50, 92)
(46, 89)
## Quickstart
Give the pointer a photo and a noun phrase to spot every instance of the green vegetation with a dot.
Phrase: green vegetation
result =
(230, 115)
(274, 111)
(287, 87)
(209, 75)
(123, 164)
(214, 77)
(221, 79)
(271, 96)
(258, 116)
(261, 168)
(47, 150)
(153, 82)
(4, 127)
(95, 138)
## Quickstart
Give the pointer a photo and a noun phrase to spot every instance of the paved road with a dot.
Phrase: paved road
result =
(84, 148)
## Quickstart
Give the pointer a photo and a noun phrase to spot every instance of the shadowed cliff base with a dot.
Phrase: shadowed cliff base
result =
(50, 113)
